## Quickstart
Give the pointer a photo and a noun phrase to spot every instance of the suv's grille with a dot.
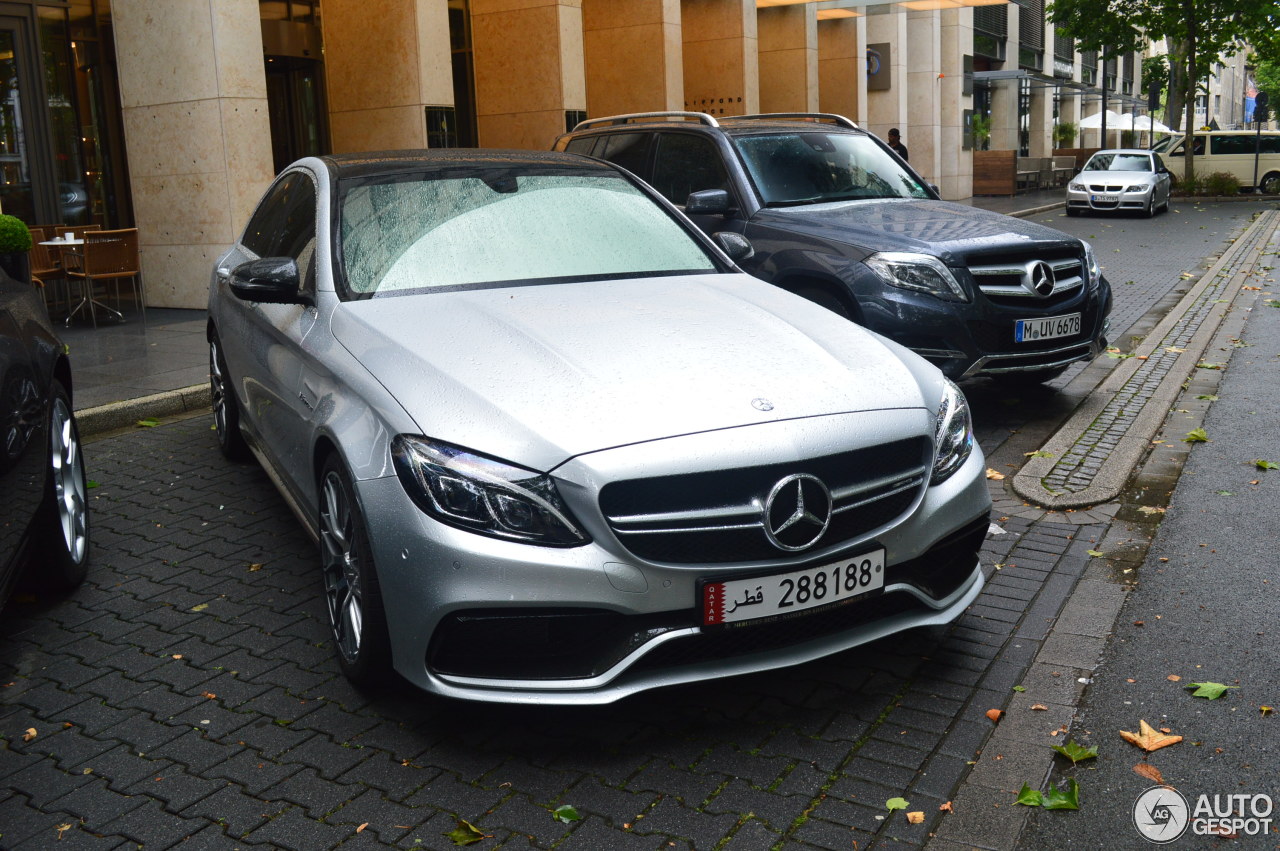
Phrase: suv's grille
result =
(717, 517)
(1008, 281)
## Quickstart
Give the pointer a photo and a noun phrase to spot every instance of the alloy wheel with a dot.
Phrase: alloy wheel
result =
(344, 588)
(69, 486)
(217, 389)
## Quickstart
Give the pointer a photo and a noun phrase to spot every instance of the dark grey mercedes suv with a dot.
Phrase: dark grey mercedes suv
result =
(835, 216)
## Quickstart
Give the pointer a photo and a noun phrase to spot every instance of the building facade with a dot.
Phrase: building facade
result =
(175, 115)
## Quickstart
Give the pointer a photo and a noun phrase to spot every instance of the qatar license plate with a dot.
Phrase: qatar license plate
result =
(1030, 330)
(1105, 199)
(739, 600)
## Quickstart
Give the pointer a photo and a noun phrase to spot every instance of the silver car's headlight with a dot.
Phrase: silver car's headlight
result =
(1092, 271)
(1077, 187)
(1138, 187)
(919, 272)
(484, 495)
(953, 434)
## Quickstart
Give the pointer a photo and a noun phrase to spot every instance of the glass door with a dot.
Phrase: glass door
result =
(17, 182)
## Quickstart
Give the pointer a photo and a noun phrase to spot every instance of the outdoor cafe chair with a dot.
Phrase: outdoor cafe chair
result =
(107, 256)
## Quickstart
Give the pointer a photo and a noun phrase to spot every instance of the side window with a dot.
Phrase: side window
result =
(1197, 146)
(1222, 144)
(285, 224)
(1270, 144)
(687, 163)
(629, 150)
(583, 145)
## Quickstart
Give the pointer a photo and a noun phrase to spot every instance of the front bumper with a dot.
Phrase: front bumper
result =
(1090, 201)
(478, 618)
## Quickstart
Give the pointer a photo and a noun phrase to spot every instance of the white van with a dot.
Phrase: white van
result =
(1230, 151)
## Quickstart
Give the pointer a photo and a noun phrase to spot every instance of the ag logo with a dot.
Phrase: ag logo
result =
(1161, 814)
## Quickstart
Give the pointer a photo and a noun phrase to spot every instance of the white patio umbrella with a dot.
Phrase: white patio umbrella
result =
(1142, 123)
(1094, 122)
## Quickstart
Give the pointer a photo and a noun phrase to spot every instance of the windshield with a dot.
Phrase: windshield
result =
(813, 168)
(430, 231)
(1165, 143)
(1119, 162)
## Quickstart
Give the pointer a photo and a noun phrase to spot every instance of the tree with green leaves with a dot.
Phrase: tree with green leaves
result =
(1198, 32)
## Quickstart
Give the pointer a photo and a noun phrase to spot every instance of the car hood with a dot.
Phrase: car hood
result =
(952, 232)
(1114, 178)
(538, 374)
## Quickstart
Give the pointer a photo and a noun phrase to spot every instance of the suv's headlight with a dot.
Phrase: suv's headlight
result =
(953, 434)
(1093, 272)
(919, 272)
(483, 495)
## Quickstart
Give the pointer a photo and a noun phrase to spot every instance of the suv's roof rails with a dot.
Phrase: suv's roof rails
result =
(818, 117)
(700, 117)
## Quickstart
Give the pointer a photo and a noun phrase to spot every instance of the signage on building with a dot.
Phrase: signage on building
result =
(878, 74)
(1063, 68)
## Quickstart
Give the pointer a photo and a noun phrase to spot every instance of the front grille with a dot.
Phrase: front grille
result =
(1007, 282)
(1098, 187)
(716, 517)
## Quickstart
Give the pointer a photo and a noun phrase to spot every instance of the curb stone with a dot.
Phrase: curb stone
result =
(117, 415)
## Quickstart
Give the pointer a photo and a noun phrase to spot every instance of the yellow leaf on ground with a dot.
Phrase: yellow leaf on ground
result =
(1148, 738)
(1039, 706)
(361, 828)
(1173, 678)
(994, 474)
(916, 817)
(30, 734)
(945, 808)
(994, 714)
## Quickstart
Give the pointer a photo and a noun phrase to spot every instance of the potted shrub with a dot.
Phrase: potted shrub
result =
(981, 125)
(1064, 134)
(15, 243)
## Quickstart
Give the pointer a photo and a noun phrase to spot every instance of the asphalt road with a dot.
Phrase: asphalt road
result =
(187, 693)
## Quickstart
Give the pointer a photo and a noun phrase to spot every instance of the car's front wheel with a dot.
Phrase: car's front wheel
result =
(226, 412)
(64, 514)
(1270, 184)
(353, 597)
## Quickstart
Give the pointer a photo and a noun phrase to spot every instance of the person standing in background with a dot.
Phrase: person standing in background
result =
(895, 142)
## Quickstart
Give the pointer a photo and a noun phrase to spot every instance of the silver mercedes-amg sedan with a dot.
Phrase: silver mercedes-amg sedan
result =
(555, 447)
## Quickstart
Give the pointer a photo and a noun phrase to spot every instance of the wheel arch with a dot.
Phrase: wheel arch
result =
(799, 282)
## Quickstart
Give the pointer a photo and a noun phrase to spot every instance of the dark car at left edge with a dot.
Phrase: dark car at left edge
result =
(44, 517)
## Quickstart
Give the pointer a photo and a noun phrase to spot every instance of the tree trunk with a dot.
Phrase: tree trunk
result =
(1189, 172)
(1177, 52)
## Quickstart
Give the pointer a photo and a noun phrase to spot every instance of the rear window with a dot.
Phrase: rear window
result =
(420, 232)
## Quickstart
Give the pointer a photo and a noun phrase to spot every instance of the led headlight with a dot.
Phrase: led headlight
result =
(953, 434)
(484, 495)
(919, 272)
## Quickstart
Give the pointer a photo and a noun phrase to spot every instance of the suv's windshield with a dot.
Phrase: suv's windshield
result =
(1118, 162)
(816, 167)
(428, 231)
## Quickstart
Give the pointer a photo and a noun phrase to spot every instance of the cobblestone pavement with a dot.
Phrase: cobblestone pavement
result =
(187, 693)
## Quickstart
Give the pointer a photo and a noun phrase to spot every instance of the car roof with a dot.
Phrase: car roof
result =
(1143, 151)
(733, 125)
(391, 162)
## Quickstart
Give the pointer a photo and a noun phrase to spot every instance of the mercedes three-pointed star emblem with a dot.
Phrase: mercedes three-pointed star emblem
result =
(797, 512)
(1040, 279)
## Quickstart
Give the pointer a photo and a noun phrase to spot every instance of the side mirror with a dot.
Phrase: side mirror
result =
(737, 246)
(933, 187)
(271, 280)
(707, 202)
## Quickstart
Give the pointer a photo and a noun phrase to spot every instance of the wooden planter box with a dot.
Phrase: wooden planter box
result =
(995, 172)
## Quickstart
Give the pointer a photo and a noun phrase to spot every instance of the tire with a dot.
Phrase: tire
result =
(62, 549)
(353, 596)
(1270, 185)
(1151, 207)
(826, 298)
(226, 411)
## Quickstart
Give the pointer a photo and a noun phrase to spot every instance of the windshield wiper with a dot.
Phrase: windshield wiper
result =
(794, 203)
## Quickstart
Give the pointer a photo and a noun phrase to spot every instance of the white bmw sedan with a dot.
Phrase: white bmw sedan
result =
(1135, 180)
(555, 447)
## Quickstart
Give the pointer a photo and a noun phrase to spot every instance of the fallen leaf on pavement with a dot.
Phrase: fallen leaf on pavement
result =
(1173, 678)
(1150, 772)
(254, 568)
(1209, 691)
(994, 714)
(566, 813)
(895, 804)
(465, 833)
(361, 828)
(30, 734)
(1039, 706)
(1148, 738)
(1196, 435)
(994, 474)
(1266, 710)
(1077, 752)
(62, 828)
(916, 817)
(208, 695)
(1095, 553)
(1265, 465)
(945, 808)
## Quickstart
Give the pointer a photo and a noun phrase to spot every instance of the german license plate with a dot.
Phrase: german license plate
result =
(738, 600)
(1030, 330)
(1105, 199)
